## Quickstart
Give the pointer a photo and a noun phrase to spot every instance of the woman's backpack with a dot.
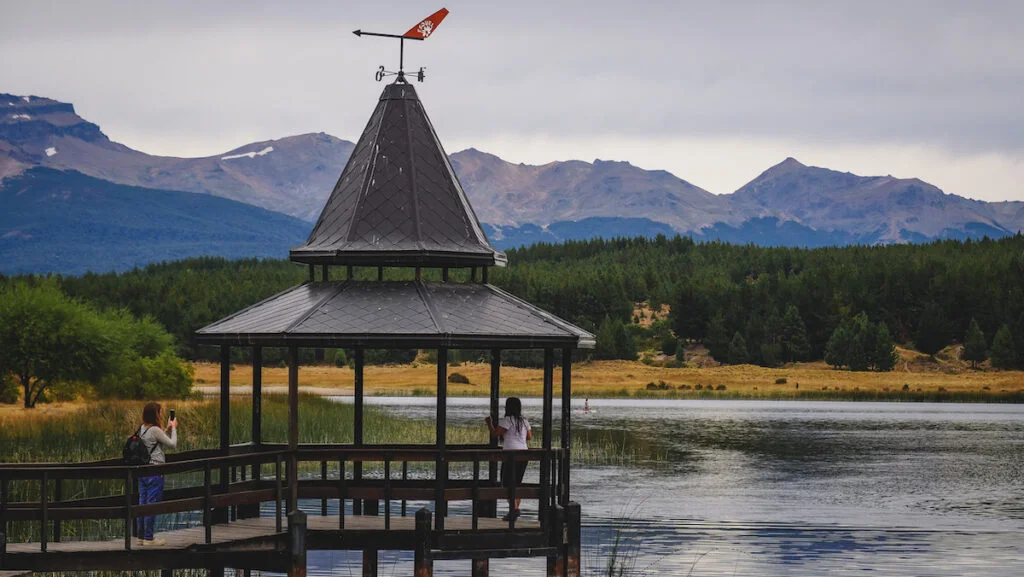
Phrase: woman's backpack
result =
(135, 451)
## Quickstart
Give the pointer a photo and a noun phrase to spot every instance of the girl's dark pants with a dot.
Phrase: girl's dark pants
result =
(151, 490)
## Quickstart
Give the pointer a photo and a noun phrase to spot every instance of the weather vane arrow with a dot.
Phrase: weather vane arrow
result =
(420, 31)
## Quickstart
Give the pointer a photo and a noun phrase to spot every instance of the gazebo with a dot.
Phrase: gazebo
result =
(399, 204)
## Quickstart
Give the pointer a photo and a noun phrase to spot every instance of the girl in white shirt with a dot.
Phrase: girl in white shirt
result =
(515, 431)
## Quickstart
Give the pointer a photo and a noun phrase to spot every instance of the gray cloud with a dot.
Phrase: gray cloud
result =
(948, 75)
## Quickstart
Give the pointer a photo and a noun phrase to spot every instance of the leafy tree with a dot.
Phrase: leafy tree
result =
(8, 389)
(932, 331)
(975, 347)
(884, 356)
(838, 347)
(669, 345)
(163, 376)
(770, 355)
(738, 350)
(690, 312)
(795, 346)
(48, 339)
(606, 346)
(625, 344)
(717, 339)
(1004, 353)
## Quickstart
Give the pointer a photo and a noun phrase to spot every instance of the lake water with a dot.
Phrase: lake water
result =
(766, 488)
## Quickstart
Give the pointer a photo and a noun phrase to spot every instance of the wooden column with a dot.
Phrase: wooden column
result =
(257, 397)
(312, 273)
(357, 424)
(574, 535)
(369, 563)
(220, 515)
(423, 565)
(323, 274)
(545, 463)
(293, 428)
(566, 422)
(492, 466)
(297, 543)
(481, 568)
(225, 398)
(441, 465)
(349, 274)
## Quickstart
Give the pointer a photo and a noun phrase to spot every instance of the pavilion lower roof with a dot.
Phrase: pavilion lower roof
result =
(395, 314)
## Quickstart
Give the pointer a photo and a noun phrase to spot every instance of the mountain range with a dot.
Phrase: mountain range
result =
(53, 163)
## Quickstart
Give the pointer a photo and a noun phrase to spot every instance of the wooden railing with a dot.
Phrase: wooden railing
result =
(363, 477)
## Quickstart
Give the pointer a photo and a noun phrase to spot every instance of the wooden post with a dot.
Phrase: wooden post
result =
(545, 463)
(556, 562)
(357, 428)
(491, 508)
(380, 272)
(566, 422)
(58, 496)
(369, 563)
(312, 273)
(349, 275)
(441, 465)
(423, 565)
(225, 398)
(572, 553)
(483, 276)
(257, 397)
(444, 274)
(215, 572)
(297, 543)
(167, 573)
(323, 274)
(481, 568)
(293, 430)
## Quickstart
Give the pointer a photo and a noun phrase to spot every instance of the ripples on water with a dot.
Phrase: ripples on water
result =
(764, 488)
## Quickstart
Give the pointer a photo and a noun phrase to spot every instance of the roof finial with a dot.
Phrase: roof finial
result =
(420, 31)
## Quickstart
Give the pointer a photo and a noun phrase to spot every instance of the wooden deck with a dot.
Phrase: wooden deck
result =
(256, 541)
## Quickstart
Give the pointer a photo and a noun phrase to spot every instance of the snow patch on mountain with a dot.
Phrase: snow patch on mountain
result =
(263, 152)
(51, 151)
(21, 117)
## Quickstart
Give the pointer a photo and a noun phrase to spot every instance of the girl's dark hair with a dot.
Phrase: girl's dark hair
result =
(514, 409)
(151, 414)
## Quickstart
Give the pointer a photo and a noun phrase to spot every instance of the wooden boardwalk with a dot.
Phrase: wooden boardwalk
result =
(251, 531)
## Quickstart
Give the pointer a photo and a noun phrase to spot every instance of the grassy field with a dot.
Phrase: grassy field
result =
(912, 381)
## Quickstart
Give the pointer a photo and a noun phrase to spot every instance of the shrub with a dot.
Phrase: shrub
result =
(906, 387)
(164, 376)
(781, 381)
(720, 388)
(9, 392)
(652, 387)
(340, 358)
(458, 378)
(698, 387)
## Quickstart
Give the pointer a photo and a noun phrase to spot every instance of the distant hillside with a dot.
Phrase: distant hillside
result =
(67, 222)
(292, 175)
(789, 204)
(874, 209)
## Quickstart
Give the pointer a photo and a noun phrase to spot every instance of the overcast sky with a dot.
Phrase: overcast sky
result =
(714, 92)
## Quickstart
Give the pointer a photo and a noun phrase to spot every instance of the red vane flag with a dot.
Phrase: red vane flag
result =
(424, 29)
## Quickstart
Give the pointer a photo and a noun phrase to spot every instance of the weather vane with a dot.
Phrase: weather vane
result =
(420, 31)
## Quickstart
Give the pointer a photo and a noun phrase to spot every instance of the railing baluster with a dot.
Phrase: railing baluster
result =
(342, 494)
(58, 497)
(44, 528)
(476, 492)
(323, 476)
(387, 492)
(3, 517)
(128, 486)
(207, 521)
(277, 491)
(405, 477)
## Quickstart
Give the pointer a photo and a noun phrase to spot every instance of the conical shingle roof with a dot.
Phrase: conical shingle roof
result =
(398, 201)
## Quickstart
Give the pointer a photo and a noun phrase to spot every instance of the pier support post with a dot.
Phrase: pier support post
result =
(556, 563)
(574, 537)
(167, 573)
(297, 543)
(423, 566)
(481, 567)
(369, 563)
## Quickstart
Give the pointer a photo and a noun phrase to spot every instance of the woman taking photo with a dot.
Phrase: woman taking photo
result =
(151, 489)
(514, 429)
